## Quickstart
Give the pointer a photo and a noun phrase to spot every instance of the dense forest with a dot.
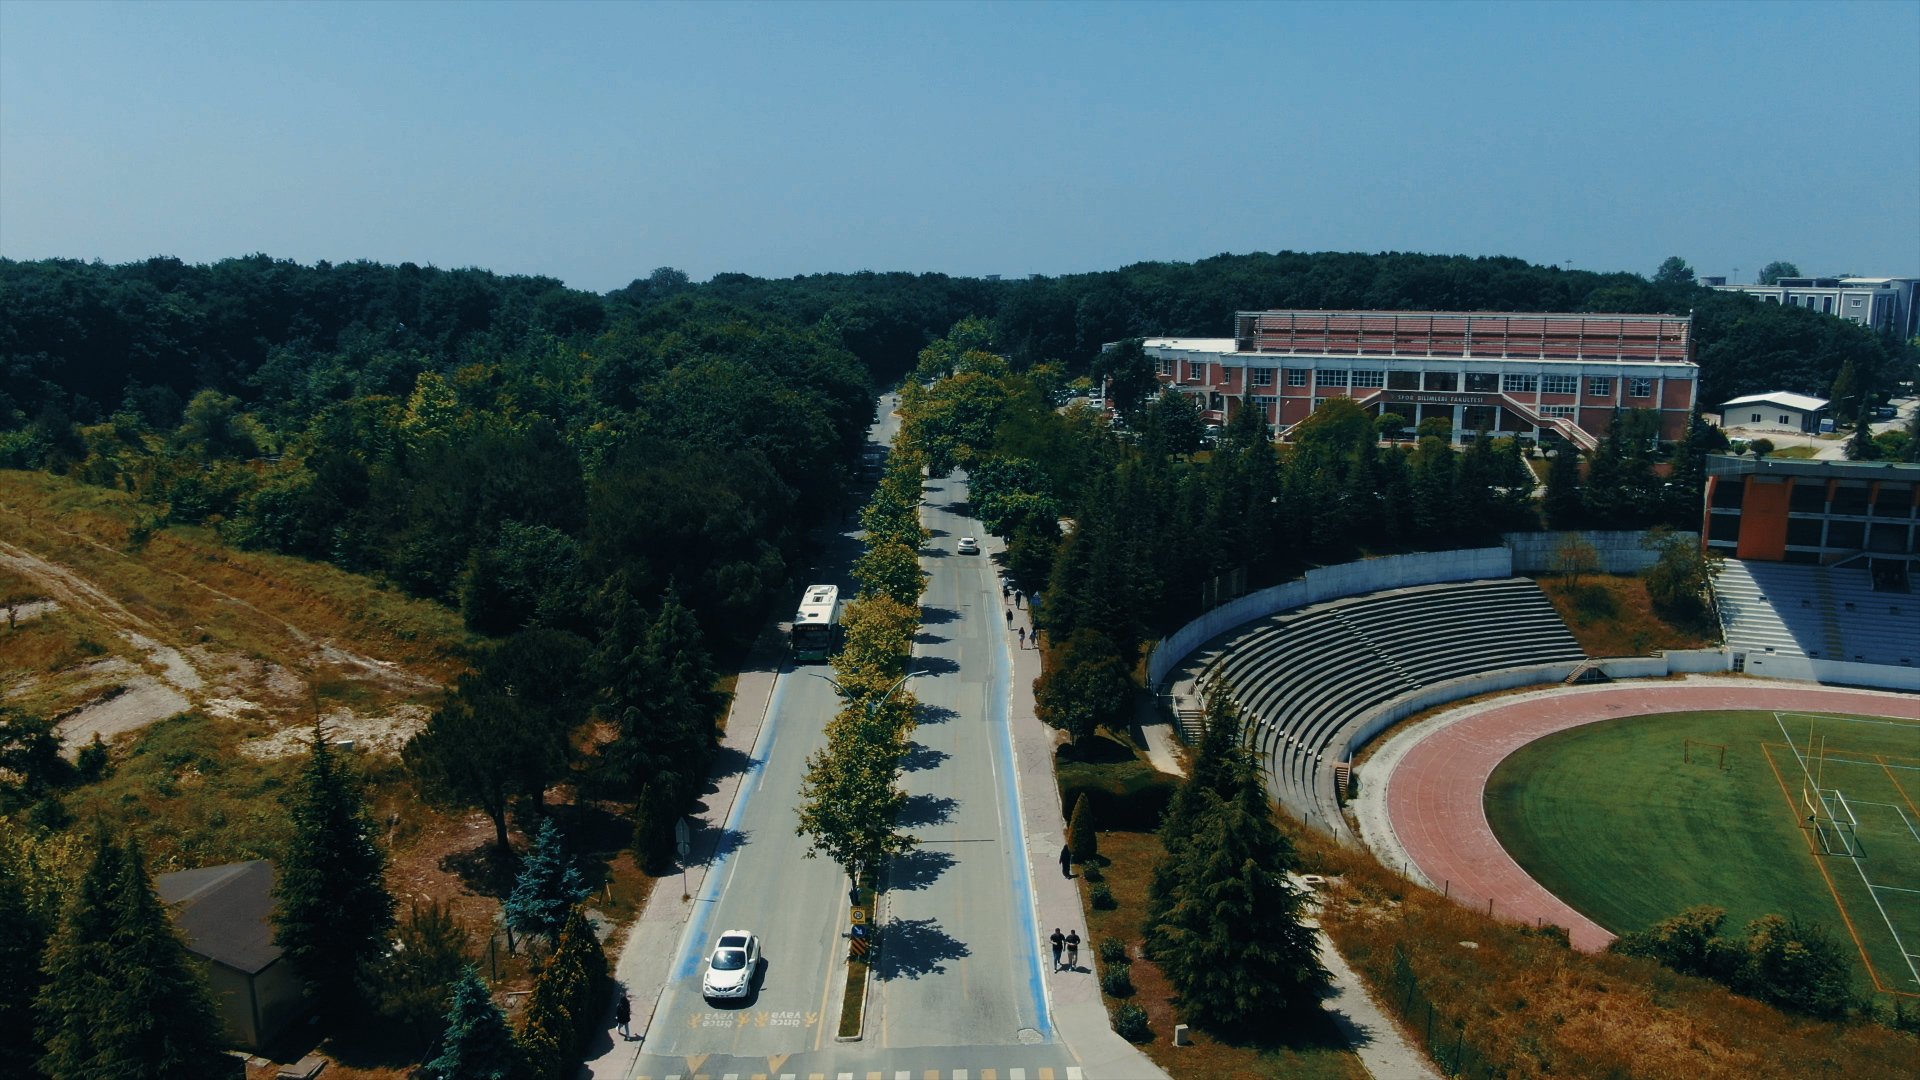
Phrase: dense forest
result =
(78, 339)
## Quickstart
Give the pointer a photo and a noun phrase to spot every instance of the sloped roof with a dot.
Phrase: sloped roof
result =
(1781, 397)
(224, 912)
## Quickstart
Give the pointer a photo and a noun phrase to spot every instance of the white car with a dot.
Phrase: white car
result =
(730, 970)
(969, 546)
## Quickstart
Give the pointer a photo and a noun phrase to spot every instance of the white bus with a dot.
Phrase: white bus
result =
(816, 627)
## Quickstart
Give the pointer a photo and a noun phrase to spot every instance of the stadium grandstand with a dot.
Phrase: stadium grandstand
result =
(1546, 375)
(1818, 585)
(1306, 679)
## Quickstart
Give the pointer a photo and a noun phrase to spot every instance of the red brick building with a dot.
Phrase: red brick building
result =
(1512, 374)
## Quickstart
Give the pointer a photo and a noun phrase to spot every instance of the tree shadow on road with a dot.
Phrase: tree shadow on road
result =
(934, 616)
(910, 948)
(923, 810)
(935, 714)
(920, 758)
(935, 665)
(918, 869)
(928, 639)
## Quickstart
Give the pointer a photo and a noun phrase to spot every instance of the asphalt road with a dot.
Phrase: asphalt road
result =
(958, 979)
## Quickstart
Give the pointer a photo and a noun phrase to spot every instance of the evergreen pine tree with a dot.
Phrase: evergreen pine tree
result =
(478, 1045)
(78, 968)
(334, 910)
(1231, 941)
(561, 1011)
(547, 888)
(1220, 771)
(659, 697)
(1564, 504)
(24, 929)
(121, 998)
(159, 1023)
(1080, 835)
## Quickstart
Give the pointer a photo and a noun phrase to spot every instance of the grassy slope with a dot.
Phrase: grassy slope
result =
(1634, 631)
(1611, 818)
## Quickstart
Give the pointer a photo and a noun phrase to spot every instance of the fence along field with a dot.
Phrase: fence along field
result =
(1859, 819)
(1636, 819)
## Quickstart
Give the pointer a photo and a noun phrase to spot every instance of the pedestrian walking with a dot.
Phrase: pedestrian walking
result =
(623, 1015)
(1018, 596)
(1003, 590)
(1059, 942)
(1066, 860)
(1009, 618)
(1023, 637)
(1073, 950)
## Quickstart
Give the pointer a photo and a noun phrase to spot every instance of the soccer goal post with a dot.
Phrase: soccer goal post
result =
(1838, 833)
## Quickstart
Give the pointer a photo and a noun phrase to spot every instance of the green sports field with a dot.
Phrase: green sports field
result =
(1632, 820)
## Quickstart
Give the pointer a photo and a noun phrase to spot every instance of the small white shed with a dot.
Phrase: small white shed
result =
(1777, 411)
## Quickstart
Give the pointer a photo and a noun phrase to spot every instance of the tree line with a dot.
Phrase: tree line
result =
(850, 799)
(76, 337)
(96, 981)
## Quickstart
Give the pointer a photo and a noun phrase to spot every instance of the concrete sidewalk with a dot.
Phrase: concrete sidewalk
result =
(646, 959)
(1079, 1015)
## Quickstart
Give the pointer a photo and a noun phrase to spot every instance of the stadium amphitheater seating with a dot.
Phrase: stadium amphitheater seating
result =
(1300, 675)
(1819, 612)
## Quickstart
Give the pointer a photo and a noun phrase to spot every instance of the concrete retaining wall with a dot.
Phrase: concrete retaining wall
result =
(1694, 660)
(1837, 672)
(1329, 583)
(1620, 551)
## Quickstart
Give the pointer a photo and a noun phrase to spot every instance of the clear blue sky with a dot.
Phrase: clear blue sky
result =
(596, 142)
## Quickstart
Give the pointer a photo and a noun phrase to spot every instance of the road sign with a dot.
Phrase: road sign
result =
(682, 837)
(859, 931)
(859, 916)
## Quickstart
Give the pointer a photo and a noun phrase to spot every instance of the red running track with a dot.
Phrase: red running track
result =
(1434, 797)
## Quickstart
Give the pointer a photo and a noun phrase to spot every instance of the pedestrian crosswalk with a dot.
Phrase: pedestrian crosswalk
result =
(1070, 1072)
(1047, 1073)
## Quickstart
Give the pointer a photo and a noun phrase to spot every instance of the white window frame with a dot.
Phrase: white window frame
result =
(1557, 410)
(1330, 377)
(1166, 366)
(1197, 371)
(1299, 376)
(1369, 378)
(1785, 419)
(1599, 386)
(1560, 384)
(1519, 384)
(1640, 387)
(1262, 376)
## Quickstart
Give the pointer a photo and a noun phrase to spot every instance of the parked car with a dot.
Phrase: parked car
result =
(731, 968)
(969, 546)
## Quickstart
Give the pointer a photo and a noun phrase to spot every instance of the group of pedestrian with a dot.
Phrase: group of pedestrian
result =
(1070, 941)
(1015, 598)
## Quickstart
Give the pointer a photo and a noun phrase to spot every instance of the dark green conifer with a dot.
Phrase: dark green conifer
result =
(1564, 504)
(122, 999)
(478, 1045)
(78, 967)
(1080, 835)
(659, 682)
(334, 910)
(1220, 771)
(1230, 940)
(24, 930)
(548, 887)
